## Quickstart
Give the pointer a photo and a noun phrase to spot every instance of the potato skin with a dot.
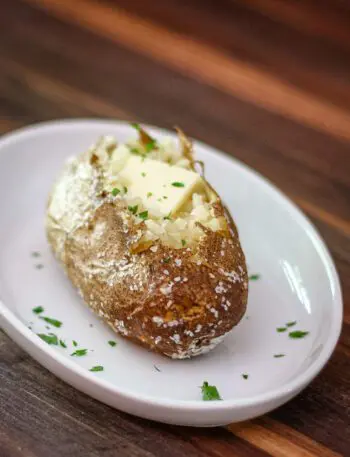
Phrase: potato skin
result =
(178, 302)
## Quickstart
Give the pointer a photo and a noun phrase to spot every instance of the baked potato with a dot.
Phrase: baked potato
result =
(148, 244)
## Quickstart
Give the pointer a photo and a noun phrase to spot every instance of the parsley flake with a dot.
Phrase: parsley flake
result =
(291, 324)
(278, 356)
(183, 242)
(298, 334)
(39, 266)
(143, 215)
(112, 343)
(245, 376)
(75, 343)
(125, 190)
(97, 368)
(254, 277)
(51, 321)
(281, 329)
(150, 145)
(35, 254)
(49, 338)
(178, 184)
(63, 344)
(79, 352)
(38, 310)
(168, 217)
(149, 194)
(210, 393)
(136, 126)
(133, 209)
(115, 192)
(166, 260)
(143, 174)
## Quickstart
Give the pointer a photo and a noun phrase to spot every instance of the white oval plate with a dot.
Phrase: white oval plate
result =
(298, 283)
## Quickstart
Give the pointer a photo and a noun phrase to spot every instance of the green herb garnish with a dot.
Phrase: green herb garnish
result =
(166, 260)
(178, 184)
(115, 192)
(63, 344)
(35, 254)
(50, 321)
(149, 194)
(135, 151)
(39, 266)
(165, 197)
(298, 334)
(143, 174)
(49, 338)
(278, 356)
(125, 190)
(112, 343)
(245, 376)
(183, 242)
(291, 324)
(38, 310)
(210, 393)
(75, 343)
(80, 352)
(281, 329)
(136, 126)
(143, 215)
(254, 277)
(150, 145)
(133, 209)
(97, 368)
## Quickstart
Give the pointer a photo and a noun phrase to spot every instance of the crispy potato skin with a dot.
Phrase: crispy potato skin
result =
(178, 302)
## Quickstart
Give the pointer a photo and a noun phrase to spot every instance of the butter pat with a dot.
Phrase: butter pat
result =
(161, 187)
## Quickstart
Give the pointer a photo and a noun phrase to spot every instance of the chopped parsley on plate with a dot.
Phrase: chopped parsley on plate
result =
(281, 329)
(298, 334)
(79, 352)
(97, 368)
(51, 321)
(210, 393)
(49, 338)
(254, 277)
(38, 310)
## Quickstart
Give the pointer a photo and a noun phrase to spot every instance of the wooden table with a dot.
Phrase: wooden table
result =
(266, 81)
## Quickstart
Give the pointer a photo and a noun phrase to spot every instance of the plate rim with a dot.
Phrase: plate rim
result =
(13, 324)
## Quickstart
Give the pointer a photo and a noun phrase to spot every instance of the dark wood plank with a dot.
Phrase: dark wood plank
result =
(204, 63)
(245, 32)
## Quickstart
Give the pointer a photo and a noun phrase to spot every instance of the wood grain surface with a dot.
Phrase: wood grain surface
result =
(267, 81)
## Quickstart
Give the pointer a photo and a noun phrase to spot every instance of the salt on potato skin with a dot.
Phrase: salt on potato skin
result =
(178, 300)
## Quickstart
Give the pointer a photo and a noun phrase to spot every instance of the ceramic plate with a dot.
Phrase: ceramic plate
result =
(297, 282)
